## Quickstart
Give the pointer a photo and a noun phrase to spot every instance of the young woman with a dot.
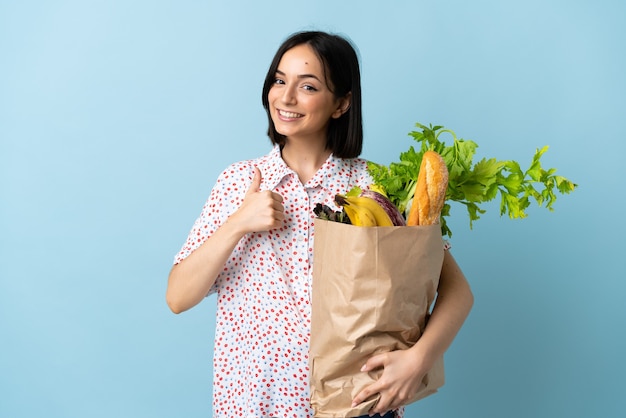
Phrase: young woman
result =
(253, 244)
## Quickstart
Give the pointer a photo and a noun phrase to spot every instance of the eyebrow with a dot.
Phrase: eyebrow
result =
(301, 76)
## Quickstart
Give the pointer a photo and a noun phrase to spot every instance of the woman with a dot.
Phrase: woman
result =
(253, 243)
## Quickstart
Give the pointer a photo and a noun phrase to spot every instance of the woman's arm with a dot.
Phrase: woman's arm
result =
(453, 305)
(190, 280)
(405, 369)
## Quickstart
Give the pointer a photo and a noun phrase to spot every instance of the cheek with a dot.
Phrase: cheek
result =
(272, 95)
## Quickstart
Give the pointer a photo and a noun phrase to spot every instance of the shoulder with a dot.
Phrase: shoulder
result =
(347, 166)
(359, 171)
(359, 163)
(342, 174)
(242, 170)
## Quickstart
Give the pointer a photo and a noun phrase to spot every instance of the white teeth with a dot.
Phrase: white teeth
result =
(289, 114)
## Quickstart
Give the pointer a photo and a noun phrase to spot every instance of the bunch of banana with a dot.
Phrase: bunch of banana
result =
(370, 208)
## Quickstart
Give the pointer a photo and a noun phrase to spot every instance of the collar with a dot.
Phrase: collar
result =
(274, 169)
(337, 170)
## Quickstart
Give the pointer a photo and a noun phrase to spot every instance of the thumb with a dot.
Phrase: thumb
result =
(256, 181)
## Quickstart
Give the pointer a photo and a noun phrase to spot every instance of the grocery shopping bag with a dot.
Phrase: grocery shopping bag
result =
(372, 291)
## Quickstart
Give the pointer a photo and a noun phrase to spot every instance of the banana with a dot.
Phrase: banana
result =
(360, 216)
(381, 216)
(364, 211)
(383, 201)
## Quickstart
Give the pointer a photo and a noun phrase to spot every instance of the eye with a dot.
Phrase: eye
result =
(309, 87)
(278, 81)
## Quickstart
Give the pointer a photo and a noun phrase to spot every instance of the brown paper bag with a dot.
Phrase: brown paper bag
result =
(373, 288)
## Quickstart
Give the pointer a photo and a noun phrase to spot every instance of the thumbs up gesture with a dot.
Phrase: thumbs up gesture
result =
(261, 210)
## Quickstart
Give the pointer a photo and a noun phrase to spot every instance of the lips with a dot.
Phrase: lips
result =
(289, 115)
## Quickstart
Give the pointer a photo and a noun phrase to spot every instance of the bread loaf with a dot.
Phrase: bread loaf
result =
(430, 191)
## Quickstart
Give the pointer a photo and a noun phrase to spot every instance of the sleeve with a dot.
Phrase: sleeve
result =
(225, 198)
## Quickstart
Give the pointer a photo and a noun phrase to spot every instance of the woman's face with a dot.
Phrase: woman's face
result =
(301, 103)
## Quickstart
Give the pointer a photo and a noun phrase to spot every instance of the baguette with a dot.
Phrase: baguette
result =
(430, 191)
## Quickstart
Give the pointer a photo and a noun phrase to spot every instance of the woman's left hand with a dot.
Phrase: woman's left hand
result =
(403, 371)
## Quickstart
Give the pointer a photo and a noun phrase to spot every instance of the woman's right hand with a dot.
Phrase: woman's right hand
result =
(261, 210)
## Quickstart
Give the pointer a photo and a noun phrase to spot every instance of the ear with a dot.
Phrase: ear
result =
(343, 104)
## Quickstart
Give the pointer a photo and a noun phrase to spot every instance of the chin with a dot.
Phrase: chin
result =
(284, 132)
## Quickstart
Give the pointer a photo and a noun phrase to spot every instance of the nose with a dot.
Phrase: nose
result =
(289, 94)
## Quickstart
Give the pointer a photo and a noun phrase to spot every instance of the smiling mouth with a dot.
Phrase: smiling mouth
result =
(289, 115)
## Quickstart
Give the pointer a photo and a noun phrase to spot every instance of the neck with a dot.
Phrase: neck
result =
(304, 159)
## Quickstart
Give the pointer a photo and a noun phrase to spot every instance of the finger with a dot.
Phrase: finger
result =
(382, 407)
(277, 197)
(256, 181)
(374, 362)
(366, 393)
(387, 402)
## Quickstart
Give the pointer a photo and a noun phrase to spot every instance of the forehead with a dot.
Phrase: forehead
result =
(301, 58)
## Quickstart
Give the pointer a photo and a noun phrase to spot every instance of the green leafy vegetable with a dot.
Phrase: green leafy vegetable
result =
(470, 184)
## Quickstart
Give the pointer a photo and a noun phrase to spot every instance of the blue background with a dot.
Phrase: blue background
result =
(117, 116)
